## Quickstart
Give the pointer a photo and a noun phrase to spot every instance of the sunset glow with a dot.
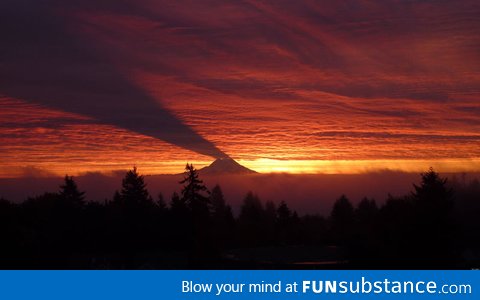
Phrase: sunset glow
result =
(280, 86)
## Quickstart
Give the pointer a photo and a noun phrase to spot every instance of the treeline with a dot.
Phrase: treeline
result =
(431, 228)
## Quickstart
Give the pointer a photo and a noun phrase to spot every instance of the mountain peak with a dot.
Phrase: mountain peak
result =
(226, 166)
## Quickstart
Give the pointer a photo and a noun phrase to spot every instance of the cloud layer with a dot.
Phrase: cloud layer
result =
(45, 63)
(288, 81)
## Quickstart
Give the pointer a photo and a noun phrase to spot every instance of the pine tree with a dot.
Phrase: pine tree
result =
(218, 202)
(283, 214)
(180, 222)
(193, 193)
(366, 211)
(161, 204)
(195, 196)
(220, 210)
(222, 218)
(252, 222)
(433, 191)
(433, 201)
(342, 211)
(341, 219)
(177, 205)
(252, 210)
(270, 222)
(134, 189)
(434, 224)
(70, 194)
(270, 212)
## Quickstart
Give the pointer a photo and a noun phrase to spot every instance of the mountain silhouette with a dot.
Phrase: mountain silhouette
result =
(225, 166)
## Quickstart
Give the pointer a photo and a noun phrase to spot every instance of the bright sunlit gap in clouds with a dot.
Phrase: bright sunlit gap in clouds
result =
(263, 166)
(358, 166)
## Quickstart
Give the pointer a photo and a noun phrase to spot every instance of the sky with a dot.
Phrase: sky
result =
(337, 87)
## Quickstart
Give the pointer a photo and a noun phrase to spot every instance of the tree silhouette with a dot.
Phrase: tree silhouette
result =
(61, 230)
(69, 211)
(252, 221)
(195, 196)
(365, 245)
(396, 226)
(178, 207)
(219, 206)
(252, 208)
(134, 190)
(270, 223)
(435, 229)
(342, 212)
(161, 204)
(133, 218)
(180, 226)
(286, 224)
(222, 218)
(341, 218)
(432, 193)
(222, 214)
(284, 214)
(70, 194)
(366, 212)
(9, 233)
(193, 193)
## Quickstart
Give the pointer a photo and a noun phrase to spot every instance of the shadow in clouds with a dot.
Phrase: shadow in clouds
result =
(41, 62)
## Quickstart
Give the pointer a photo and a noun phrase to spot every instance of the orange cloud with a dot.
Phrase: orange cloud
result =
(304, 86)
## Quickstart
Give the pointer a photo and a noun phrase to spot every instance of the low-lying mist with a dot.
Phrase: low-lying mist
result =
(307, 194)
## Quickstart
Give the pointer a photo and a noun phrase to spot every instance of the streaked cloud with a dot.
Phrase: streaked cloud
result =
(379, 83)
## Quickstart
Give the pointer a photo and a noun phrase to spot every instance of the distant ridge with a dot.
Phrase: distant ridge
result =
(225, 166)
